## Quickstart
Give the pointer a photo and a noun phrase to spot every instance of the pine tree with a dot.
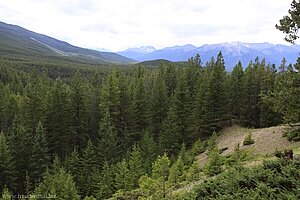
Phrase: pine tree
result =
(123, 178)
(108, 146)
(7, 169)
(59, 185)
(158, 105)
(88, 166)
(79, 111)
(236, 90)
(138, 110)
(177, 172)
(111, 101)
(136, 165)
(5, 194)
(19, 144)
(34, 104)
(58, 123)
(149, 151)
(160, 172)
(106, 183)
(216, 97)
(72, 164)
(214, 163)
(39, 155)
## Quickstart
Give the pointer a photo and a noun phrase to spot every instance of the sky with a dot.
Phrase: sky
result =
(120, 24)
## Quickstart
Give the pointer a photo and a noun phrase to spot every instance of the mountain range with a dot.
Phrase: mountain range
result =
(232, 53)
(18, 43)
(21, 44)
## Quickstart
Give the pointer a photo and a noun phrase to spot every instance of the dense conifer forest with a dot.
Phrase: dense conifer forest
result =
(133, 132)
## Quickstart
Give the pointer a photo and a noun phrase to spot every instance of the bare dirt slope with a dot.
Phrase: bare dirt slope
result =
(267, 140)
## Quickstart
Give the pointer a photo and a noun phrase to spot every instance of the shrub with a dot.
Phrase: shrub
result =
(248, 140)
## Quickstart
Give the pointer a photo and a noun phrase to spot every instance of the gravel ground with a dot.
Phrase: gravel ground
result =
(267, 140)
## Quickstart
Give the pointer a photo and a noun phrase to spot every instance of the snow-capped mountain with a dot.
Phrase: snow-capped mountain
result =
(232, 53)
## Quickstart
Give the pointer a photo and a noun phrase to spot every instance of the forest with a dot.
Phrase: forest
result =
(134, 132)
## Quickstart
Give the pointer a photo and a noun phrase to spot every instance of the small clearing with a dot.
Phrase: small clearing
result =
(267, 140)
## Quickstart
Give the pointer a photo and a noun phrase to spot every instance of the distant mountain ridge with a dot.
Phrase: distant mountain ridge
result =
(232, 52)
(19, 43)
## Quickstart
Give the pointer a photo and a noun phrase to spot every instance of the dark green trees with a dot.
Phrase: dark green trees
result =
(7, 169)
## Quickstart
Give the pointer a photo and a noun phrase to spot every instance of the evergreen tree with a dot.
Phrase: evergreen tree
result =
(160, 172)
(158, 105)
(88, 167)
(177, 172)
(149, 151)
(214, 163)
(34, 104)
(138, 109)
(236, 90)
(108, 146)
(73, 164)
(7, 169)
(111, 101)
(6, 195)
(106, 183)
(39, 159)
(216, 102)
(123, 179)
(136, 165)
(19, 144)
(58, 185)
(79, 111)
(58, 122)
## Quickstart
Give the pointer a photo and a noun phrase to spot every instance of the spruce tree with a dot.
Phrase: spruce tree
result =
(19, 144)
(136, 165)
(79, 111)
(59, 184)
(236, 90)
(39, 155)
(123, 179)
(7, 167)
(106, 182)
(160, 172)
(88, 166)
(58, 122)
(108, 146)
(149, 151)
(176, 172)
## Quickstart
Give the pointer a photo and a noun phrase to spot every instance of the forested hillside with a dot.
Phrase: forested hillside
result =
(134, 132)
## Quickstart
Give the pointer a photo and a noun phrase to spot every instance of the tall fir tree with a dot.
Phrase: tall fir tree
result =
(109, 144)
(39, 159)
(7, 166)
(136, 165)
(106, 182)
(79, 111)
(58, 122)
(87, 169)
(19, 143)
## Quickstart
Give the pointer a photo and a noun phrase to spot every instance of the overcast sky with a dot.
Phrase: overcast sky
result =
(120, 24)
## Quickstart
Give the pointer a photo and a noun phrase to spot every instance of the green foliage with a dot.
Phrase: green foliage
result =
(58, 184)
(291, 23)
(87, 180)
(108, 148)
(215, 161)
(248, 140)
(106, 182)
(273, 180)
(7, 169)
(135, 165)
(39, 159)
(160, 173)
(6, 195)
